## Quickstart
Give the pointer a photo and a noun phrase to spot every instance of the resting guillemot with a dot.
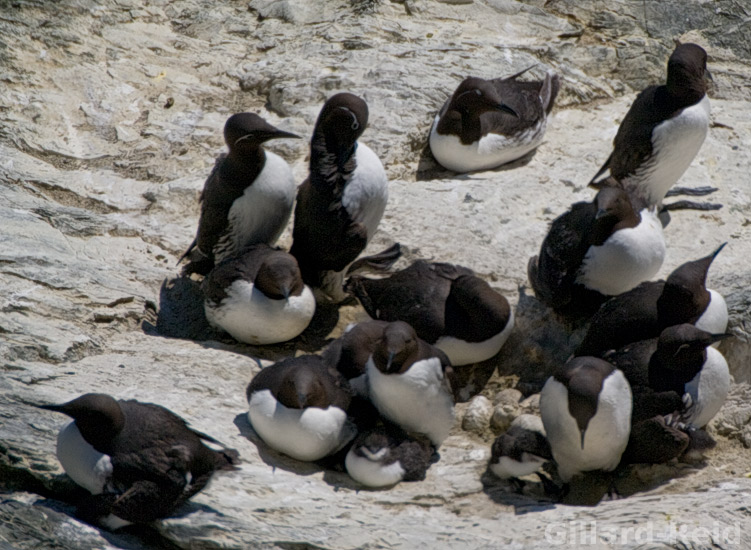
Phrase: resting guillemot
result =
(663, 130)
(259, 297)
(487, 123)
(341, 203)
(298, 406)
(521, 450)
(595, 250)
(409, 383)
(247, 198)
(447, 305)
(349, 353)
(586, 411)
(139, 461)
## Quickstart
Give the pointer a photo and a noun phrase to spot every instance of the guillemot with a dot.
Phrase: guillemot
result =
(247, 198)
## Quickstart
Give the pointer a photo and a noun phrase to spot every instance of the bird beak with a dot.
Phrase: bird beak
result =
(583, 432)
(717, 337)
(600, 213)
(506, 109)
(390, 360)
(55, 408)
(282, 134)
(285, 293)
(708, 75)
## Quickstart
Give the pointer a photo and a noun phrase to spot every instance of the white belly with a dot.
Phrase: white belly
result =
(629, 257)
(262, 212)
(461, 352)
(490, 151)
(675, 143)
(373, 473)
(606, 436)
(715, 318)
(83, 463)
(709, 389)
(367, 191)
(251, 317)
(507, 467)
(305, 434)
(418, 400)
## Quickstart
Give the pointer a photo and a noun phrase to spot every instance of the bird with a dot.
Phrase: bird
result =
(139, 461)
(488, 123)
(386, 455)
(258, 297)
(298, 407)
(646, 310)
(521, 450)
(586, 410)
(247, 198)
(447, 305)
(340, 204)
(596, 250)
(663, 130)
(409, 382)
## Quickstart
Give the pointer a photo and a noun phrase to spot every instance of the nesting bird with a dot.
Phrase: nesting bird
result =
(521, 450)
(409, 383)
(487, 123)
(247, 198)
(258, 297)
(349, 353)
(586, 411)
(341, 203)
(139, 461)
(447, 305)
(299, 407)
(663, 130)
(597, 249)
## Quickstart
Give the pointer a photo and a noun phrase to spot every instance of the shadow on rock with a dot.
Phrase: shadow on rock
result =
(532, 499)
(180, 313)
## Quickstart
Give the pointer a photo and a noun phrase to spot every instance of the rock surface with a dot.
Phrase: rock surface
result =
(110, 119)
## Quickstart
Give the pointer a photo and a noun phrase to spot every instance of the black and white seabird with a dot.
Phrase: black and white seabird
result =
(385, 456)
(259, 297)
(298, 406)
(247, 198)
(663, 130)
(597, 249)
(487, 123)
(139, 461)
(645, 311)
(349, 353)
(447, 305)
(409, 383)
(521, 450)
(341, 203)
(586, 411)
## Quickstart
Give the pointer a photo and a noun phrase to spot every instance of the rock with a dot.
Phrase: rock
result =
(477, 415)
(734, 419)
(509, 396)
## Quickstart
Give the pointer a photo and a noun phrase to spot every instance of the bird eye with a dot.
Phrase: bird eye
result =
(478, 92)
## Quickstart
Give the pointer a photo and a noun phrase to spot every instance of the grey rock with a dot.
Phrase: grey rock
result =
(477, 415)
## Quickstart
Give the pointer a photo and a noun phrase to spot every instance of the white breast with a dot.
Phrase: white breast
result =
(370, 471)
(262, 212)
(367, 192)
(606, 436)
(305, 434)
(417, 400)
(490, 151)
(675, 143)
(83, 463)
(709, 389)
(461, 352)
(507, 467)
(628, 257)
(715, 318)
(252, 317)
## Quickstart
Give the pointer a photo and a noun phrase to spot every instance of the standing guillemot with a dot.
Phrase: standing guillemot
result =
(139, 461)
(386, 455)
(409, 383)
(298, 406)
(447, 305)
(663, 130)
(586, 411)
(595, 250)
(247, 198)
(341, 203)
(487, 123)
(521, 450)
(259, 297)
(643, 312)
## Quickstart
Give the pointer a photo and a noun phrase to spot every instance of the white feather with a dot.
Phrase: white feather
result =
(371, 471)
(507, 467)
(83, 463)
(627, 258)
(709, 389)
(715, 318)
(461, 352)
(606, 436)
(305, 434)
(252, 317)
(418, 400)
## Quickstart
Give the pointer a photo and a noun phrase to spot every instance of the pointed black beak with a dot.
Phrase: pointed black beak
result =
(390, 359)
(506, 109)
(55, 408)
(717, 337)
(583, 431)
(708, 74)
(600, 213)
(282, 134)
(719, 249)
